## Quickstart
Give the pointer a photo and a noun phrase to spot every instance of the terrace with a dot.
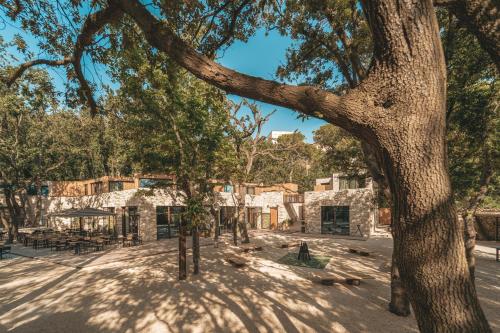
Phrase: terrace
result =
(135, 289)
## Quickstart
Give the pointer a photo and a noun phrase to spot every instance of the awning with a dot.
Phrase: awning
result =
(82, 212)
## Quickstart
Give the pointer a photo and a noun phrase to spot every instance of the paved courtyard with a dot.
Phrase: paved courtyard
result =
(136, 290)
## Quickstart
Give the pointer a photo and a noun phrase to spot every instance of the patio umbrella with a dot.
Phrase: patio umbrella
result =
(81, 212)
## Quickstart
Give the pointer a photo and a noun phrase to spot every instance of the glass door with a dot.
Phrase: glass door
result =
(335, 220)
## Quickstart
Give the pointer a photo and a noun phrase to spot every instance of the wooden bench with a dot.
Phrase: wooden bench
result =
(329, 279)
(287, 245)
(360, 252)
(247, 248)
(236, 261)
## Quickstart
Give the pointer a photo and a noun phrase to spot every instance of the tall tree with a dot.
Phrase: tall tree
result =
(186, 121)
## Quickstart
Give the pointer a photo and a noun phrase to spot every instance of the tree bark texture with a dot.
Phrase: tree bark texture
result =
(235, 231)
(16, 213)
(215, 215)
(242, 224)
(196, 250)
(182, 251)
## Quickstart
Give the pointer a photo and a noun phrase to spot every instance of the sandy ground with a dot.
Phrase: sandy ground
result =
(136, 290)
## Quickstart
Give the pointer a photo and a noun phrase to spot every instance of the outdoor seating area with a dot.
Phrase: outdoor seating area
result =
(80, 242)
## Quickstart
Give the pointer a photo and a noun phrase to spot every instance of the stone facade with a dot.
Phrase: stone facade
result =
(146, 202)
(361, 202)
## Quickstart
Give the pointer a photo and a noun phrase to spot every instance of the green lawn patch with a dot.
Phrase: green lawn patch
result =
(318, 262)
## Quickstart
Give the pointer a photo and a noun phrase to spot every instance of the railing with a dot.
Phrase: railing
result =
(293, 198)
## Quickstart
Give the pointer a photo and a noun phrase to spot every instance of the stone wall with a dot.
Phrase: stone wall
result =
(146, 202)
(362, 208)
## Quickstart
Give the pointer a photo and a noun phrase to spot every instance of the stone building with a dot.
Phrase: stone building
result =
(150, 205)
(341, 205)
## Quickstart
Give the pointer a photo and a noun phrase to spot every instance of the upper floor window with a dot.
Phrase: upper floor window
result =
(115, 186)
(96, 188)
(251, 190)
(152, 182)
(43, 190)
(228, 188)
(347, 183)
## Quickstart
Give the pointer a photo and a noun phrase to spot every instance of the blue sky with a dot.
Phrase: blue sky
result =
(260, 56)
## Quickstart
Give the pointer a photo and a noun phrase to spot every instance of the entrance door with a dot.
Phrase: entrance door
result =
(274, 217)
(161, 222)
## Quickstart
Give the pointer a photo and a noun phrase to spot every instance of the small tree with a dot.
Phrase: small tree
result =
(185, 121)
(247, 140)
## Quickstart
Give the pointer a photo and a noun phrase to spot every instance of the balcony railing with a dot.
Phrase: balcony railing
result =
(293, 198)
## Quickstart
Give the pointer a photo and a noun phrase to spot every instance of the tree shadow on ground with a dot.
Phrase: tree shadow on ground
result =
(140, 294)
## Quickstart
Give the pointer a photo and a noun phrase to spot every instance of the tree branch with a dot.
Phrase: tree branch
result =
(348, 111)
(25, 66)
(481, 18)
(92, 25)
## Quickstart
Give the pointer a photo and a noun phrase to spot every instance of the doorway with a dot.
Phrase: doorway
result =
(274, 217)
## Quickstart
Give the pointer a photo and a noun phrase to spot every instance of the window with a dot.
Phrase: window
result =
(115, 186)
(32, 190)
(346, 183)
(96, 188)
(167, 221)
(335, 220)
(44, 190)
(228, 188)
(151, 182)
(251, 190)
(130, 220)
(108, 224)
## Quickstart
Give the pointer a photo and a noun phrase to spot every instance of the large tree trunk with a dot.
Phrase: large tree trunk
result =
(235, 231)
(182, 251)
(409, 70)
(16, 214)
(196, 250)
(468, 215)
(470, 242)
(243, 224)
(216, 215)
